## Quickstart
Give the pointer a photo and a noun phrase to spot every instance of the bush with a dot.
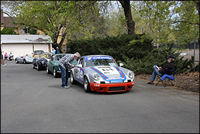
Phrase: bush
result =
(135, 52)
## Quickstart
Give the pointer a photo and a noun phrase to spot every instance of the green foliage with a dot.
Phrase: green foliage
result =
(158, 57)
(170, 21)
(32, 31)
(116, 46)
(135, 52)
(197, 67)
(8, 30)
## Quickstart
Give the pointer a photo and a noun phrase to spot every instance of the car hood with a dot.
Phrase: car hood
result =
(109, 72)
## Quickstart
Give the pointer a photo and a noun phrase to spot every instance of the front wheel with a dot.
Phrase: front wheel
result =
(55, 74)
(16, 61)
(86, 85)
(24, 61)
(47, 69)
(72, 80)
(38, 67)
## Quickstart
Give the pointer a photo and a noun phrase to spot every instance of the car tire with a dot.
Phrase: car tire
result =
(55, 74)
(16, 61)
(86, 85)
(47, 69)
(72, 80)
(38, 67)
(24, 61)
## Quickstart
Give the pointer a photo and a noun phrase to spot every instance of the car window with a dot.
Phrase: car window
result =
(58, 57)
(100, 62)
(80, 61)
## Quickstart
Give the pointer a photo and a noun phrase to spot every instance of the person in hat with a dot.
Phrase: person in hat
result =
(163, 70)
(65, 63)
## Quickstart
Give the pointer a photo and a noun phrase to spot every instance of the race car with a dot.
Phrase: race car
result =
(24, 59)
(40, 62)
(101, 73)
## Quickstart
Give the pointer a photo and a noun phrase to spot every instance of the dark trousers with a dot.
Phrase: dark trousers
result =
(64, 76)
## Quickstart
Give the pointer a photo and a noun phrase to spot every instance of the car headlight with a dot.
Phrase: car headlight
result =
(96, 76)
(130, 75)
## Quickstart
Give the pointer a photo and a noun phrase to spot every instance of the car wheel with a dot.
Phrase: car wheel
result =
(86, 85)
(24, 61)
(55, 74)
(16, 61)
(48, 71)
(38, 67)
(72, 80)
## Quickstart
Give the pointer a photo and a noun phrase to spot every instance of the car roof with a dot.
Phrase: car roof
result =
(96, 55)
(59, 54)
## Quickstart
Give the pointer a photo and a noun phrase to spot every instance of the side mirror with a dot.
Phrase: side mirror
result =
(121, 64)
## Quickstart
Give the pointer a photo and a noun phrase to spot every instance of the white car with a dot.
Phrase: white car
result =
(101, 73)
(24, 59)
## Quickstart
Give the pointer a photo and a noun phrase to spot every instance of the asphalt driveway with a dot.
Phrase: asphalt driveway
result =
(33, 102)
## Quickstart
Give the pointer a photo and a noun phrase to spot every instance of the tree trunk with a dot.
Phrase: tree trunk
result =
(55, 37)
(127, 11)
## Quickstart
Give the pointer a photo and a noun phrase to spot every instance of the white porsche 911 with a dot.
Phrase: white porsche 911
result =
(101, 73)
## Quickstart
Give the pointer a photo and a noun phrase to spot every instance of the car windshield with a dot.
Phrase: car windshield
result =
(100, 62)
(47, 55)
(38, 52)
(28, 56)
(58, 57)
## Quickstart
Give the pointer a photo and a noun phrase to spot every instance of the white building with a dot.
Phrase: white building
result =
(25, 44)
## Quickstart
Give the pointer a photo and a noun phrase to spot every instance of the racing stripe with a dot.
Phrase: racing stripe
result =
(103, 76)
(121, 73)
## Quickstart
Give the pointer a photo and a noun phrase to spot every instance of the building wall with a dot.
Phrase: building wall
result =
(22, 49)
(44, 47)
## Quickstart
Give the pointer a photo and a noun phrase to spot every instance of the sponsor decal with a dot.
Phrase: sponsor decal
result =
(121, 78)
(101, 74)
(98, 57)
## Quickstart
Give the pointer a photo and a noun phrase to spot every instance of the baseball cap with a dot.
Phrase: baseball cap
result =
(77, 54)
(171, 56)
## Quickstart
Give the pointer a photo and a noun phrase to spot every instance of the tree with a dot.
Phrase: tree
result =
(175, 21)
(7, 30)
(127, 12)
(58, 19)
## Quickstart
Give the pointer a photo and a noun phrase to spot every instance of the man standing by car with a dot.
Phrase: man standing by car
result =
(64, 63)
(58, 51)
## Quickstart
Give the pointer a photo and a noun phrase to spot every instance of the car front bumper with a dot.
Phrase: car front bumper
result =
(115, 87)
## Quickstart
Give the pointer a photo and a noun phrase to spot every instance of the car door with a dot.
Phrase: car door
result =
(21, 58)
(50, 64)
(79, 70)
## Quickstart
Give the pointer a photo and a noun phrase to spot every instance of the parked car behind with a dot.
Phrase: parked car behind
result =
(41, 61)
(53, 67)
(37, 52)
(24, 59)
(101, 73)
